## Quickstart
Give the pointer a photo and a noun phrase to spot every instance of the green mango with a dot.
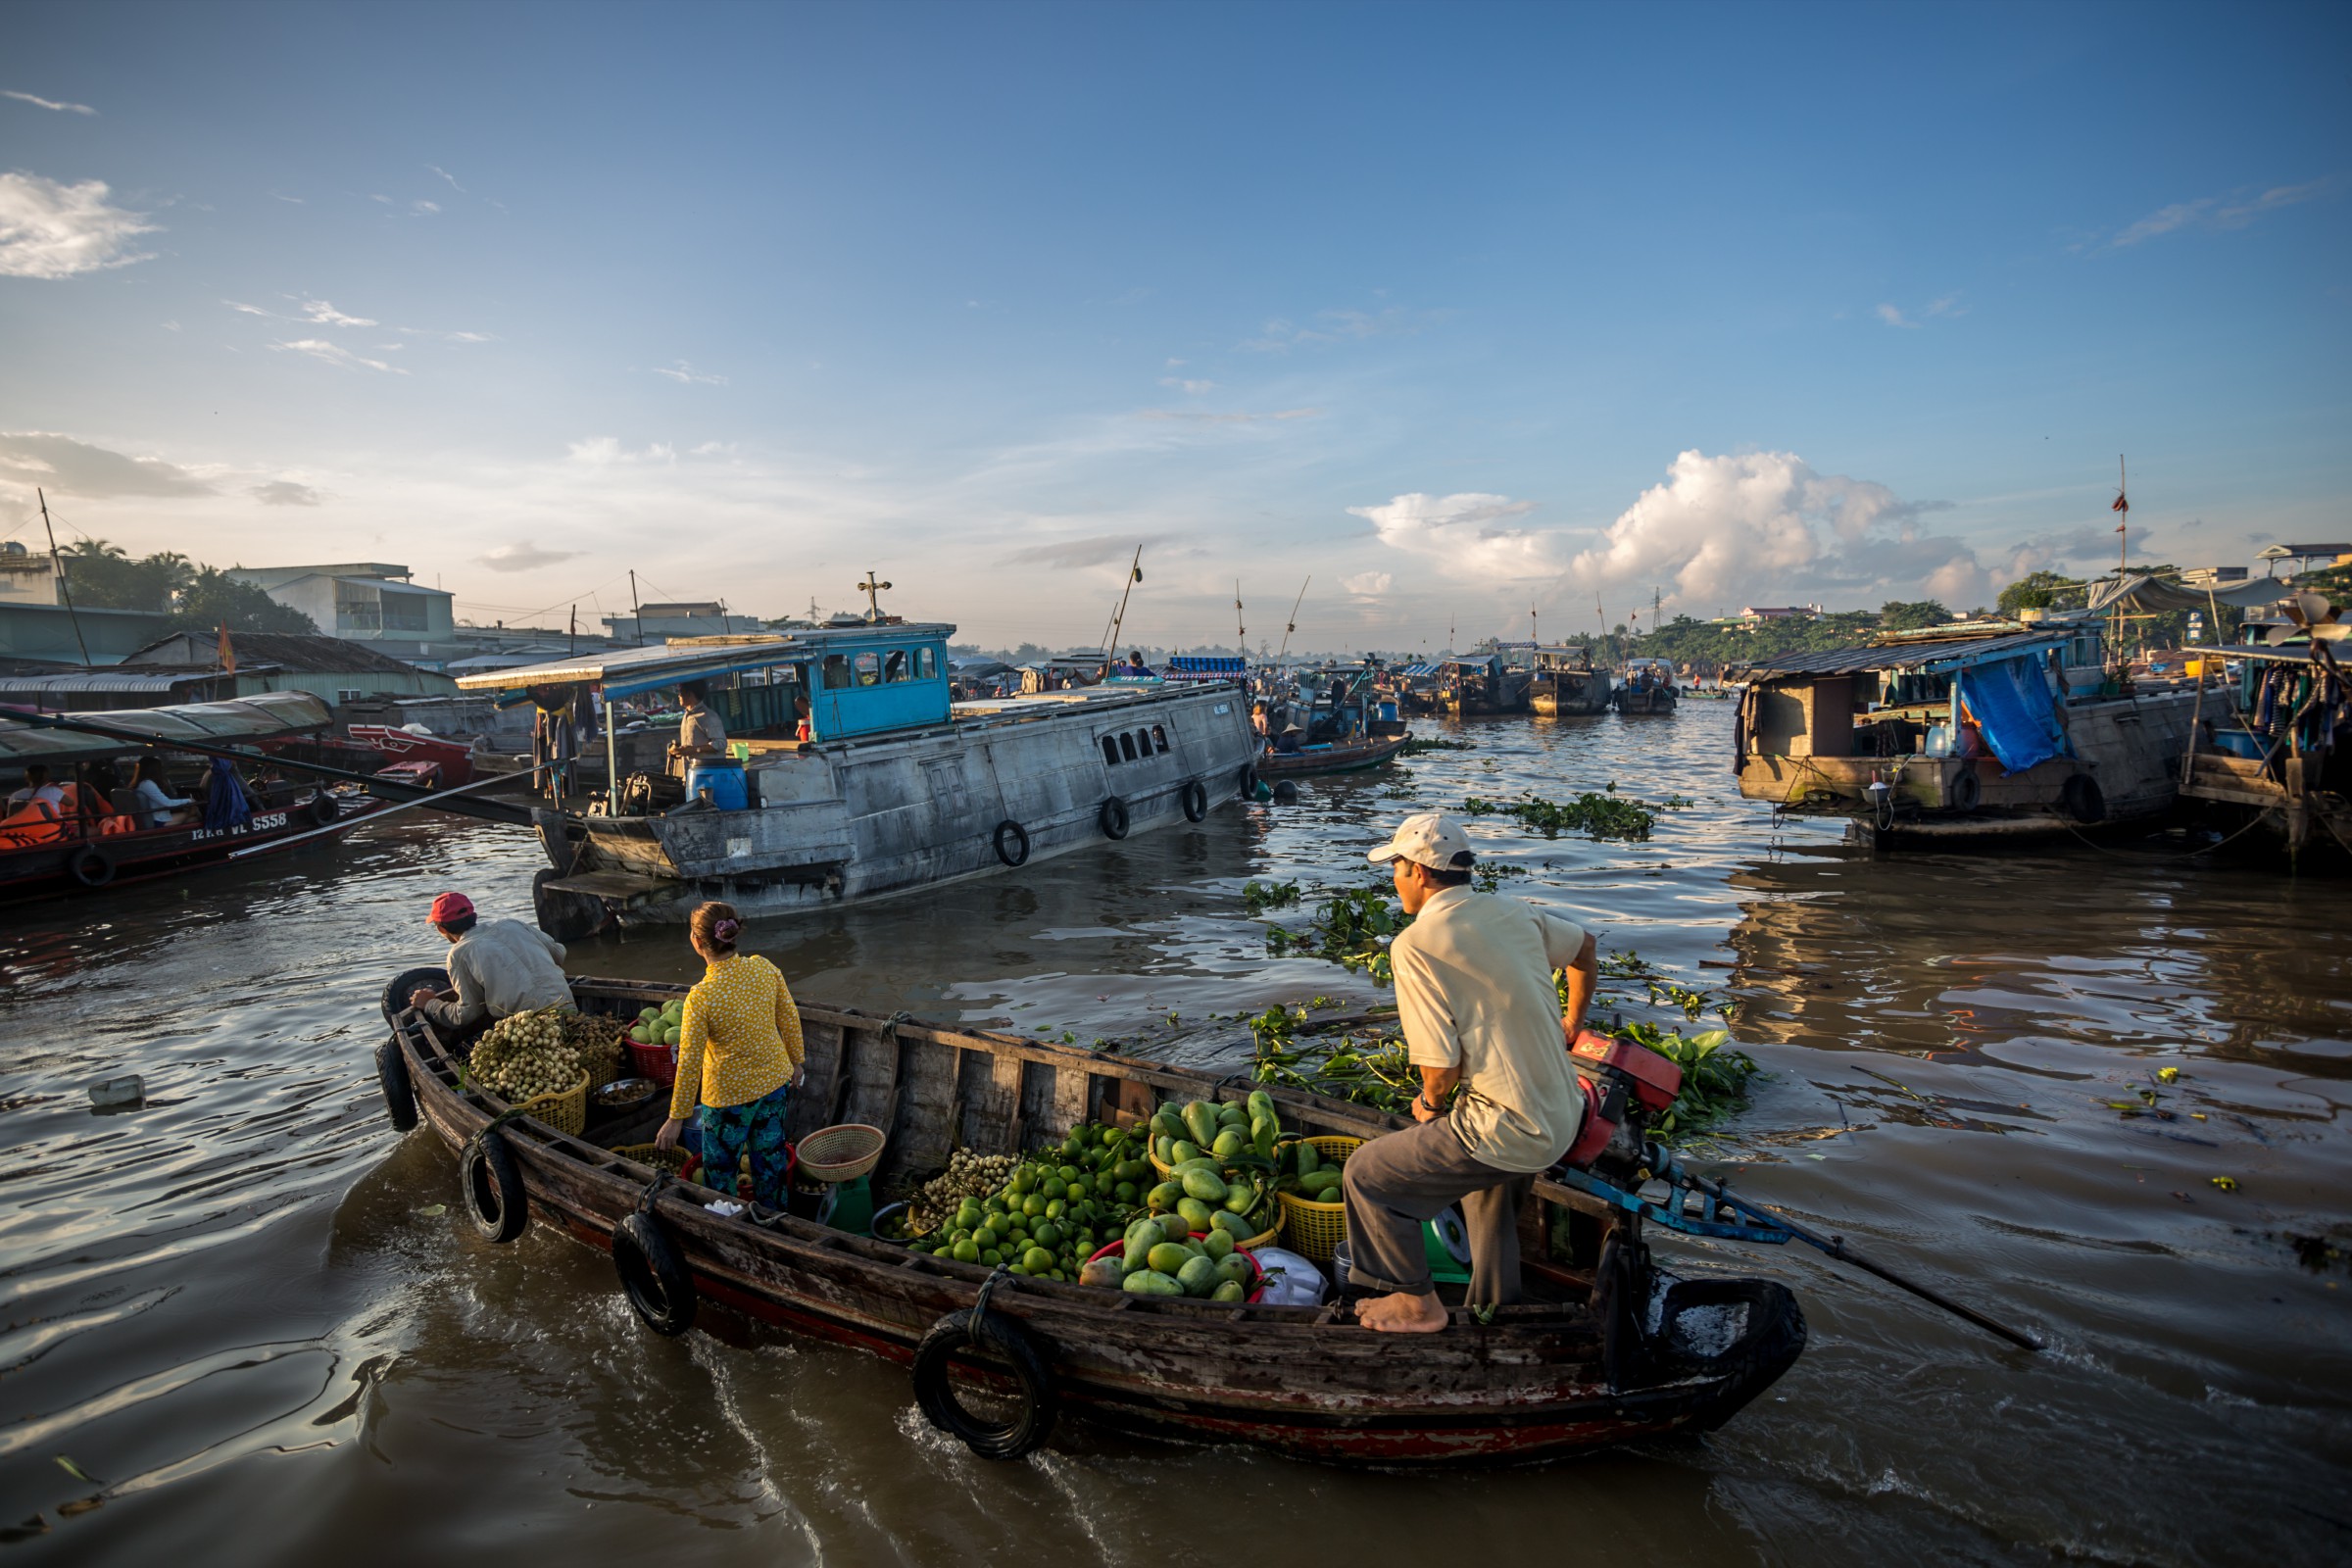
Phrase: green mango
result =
(1184, 1151)
(1168, 1122)
(1227, 1223)
(1197, 1215)
(1201, 1120)
(1205, 1185)
(1308, 1159)
(1150, 1281)
(1168, 1257)
(1233, 1113)
(1197, 1277)
(1230, 1291)
(1218, 1244)
(1149, 1231)
(1231, 1142)
(1164, 1149)
(1163, 1197)
(1316, 1184)
(1239, 1196)
(1260, 1103)
(1234, 1267)
(1262, 1133)
(1103, 1273)
(1138, 1255)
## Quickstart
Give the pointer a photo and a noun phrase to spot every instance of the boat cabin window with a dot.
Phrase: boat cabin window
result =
(870, 669)
(1127, 747)
(926, 663)
(895, 666)
(1159, 738)
(837, 671)
(1111, 749)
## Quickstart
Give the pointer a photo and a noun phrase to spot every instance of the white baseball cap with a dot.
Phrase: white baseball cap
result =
(1428, 838)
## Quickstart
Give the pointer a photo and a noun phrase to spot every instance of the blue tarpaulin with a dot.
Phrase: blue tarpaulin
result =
(2011, 703)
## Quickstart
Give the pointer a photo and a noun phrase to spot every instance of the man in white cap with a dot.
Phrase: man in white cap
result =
(1481, 1017)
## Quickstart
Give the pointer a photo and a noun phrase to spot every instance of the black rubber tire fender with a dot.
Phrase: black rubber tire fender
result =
(1041, 1398)
(1246, 784)
(653, 1275)
(91, 866)
(1019, 854)
(325, 810)
(1113, 818)
(395, 991)
(566, 916)
(1195, 798)
(392, 1078)
(2082, 799)
(490, 1186)
(1968, 790)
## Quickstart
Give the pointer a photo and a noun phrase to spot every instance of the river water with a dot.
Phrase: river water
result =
(253, 1318)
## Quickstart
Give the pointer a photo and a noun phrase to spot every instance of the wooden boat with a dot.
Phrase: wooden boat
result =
(1483, 685)
(1606, 1347)
(85, 850)
(1649, 687)
(1566, 683)
(2276, 753)
(1345, 757)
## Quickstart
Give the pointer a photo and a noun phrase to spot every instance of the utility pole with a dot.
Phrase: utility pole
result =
(575, 631)
(1291, 624)
(636, 615)
(1241, 633)
(65, 591)
(1118, 618)
(1653, 607)
(1531, 626)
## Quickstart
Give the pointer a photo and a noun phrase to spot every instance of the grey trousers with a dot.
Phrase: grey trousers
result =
(1399, 1181)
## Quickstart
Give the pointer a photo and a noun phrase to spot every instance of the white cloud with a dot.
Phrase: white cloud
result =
(524, 555)
(285, 493)
(1368, 584)
(48, 103)
(423, 209)
(446, 174)
(686, 374)
(1459, 533)
(604, 451)
(319, 348)
(1279, 337)
(323, 313)
(1191, 417)
(50, 230)
(60, 463)
(1189, 388)
(1893, 316)
(2224, 211)
(1754, 526)
(1948, 305)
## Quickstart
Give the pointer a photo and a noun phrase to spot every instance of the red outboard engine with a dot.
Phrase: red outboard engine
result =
(1624, 1083)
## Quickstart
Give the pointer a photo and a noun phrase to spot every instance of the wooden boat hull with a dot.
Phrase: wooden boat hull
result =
(1629, 701)
(46, 870)
(1331, 758)
(1543, 1379)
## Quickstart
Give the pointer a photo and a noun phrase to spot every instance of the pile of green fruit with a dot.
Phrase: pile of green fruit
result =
(523, 1056)
(1305, 1171)
(1160, 1260)
(1222, 1161)
(1053, 1212)
(660, 1026)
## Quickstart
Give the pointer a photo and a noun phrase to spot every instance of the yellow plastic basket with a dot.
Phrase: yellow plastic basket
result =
(566, 1111)
(1309, 1228)
(673, 1161)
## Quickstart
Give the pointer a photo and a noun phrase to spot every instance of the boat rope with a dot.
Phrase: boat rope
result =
(653, 1190)
(2166, 855)
(988, 1288)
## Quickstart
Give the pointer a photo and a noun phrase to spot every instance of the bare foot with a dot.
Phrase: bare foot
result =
(1402, 1313)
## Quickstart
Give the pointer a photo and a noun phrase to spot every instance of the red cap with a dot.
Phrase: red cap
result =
(451, 907)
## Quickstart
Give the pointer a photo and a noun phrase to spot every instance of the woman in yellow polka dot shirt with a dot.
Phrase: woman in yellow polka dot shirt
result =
(739, 1055)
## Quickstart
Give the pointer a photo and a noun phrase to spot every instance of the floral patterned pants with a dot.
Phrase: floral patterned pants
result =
(757, 1128)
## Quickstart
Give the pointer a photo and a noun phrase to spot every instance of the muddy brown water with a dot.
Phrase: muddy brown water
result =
(252, 1315)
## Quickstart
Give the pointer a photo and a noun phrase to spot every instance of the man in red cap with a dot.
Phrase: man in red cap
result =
(494, 970)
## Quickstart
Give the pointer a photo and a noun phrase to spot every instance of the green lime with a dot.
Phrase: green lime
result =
(967, 1252)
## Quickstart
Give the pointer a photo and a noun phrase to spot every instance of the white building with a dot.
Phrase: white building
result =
(364, 600)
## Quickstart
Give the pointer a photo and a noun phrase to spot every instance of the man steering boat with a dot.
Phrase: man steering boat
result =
(1484, 1024)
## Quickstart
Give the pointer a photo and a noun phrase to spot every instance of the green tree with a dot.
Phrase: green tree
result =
(198, 597)
(213, 599)
(2041, 590)
(1910, 614)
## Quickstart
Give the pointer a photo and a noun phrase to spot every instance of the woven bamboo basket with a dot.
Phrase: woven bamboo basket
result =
(840, 1153)
(673, 1161)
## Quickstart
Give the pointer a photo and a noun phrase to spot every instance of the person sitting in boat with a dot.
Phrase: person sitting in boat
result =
(701, 736)
(495, 971)
(37, 790)
(739, 1056)
(1286, 742)
(157, 806)
(1475, 996)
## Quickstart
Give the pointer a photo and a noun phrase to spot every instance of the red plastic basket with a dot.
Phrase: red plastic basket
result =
(658, 1062)
(1257, 1272)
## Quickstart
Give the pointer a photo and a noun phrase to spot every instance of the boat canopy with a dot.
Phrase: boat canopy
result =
(1202, 666)
(2155, 595)
(244, 718)
(858, 680)
(1933, 657)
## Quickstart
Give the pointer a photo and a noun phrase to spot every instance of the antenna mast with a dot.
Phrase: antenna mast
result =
(1118, 618)
(1291, 624)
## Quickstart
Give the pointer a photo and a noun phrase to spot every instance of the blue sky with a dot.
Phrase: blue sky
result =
(1461, 309)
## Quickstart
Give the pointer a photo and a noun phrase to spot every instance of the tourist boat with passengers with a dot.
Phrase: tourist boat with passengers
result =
(1982, 730)
(102, 836)
(853, 775)
(1607, 1346)
(1649, 687)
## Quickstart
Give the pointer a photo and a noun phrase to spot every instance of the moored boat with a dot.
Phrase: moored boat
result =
(1982, 732)
(1338, 756)
(1566, 683)
(1648, 688)
(1606, 1347)
(2274, 752)
(1482, 685)
(853, 775)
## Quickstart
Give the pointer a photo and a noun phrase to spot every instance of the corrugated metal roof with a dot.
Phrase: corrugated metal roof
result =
(1953, 652)
(101, 681)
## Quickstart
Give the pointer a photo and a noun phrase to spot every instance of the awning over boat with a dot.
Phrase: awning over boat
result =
(624, 672)
(1416, 670)
(246, 718)
(1202, 666)
(1956, 653)
(2155, 595)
